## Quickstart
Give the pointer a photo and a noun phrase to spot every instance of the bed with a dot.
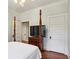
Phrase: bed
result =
(18, 50)
(40, 37)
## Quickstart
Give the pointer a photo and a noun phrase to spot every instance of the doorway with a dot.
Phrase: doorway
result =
(25, 31)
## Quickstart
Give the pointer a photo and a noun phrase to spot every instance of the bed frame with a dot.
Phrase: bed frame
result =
(14, 29)
(40, 31)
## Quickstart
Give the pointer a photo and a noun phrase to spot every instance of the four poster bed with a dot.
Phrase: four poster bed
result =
(18, 50)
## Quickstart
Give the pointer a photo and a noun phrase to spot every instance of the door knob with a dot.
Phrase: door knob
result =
(24, 34)
(50, 37)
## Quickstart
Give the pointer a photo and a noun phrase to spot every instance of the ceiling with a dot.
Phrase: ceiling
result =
(29, 4)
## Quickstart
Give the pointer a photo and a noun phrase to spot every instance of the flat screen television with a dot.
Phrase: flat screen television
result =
(34, 30)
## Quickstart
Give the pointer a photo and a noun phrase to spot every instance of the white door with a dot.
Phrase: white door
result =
(25, 30)
(57, 33)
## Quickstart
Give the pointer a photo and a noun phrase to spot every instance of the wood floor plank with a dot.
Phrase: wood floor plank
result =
(53, 55)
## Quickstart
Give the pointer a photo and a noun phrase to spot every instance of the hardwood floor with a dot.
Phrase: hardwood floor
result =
(53, 55)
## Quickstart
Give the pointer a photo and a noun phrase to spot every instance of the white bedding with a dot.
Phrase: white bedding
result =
(18, 50)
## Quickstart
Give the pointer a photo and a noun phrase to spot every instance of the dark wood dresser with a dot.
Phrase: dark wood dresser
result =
(34, 41)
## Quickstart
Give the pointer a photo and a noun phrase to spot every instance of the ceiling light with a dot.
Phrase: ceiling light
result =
(16, 1)
(22, 1)
(21, 4)
(33, 0)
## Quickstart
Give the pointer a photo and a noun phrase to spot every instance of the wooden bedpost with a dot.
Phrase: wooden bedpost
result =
(14, 29)
(40, 32)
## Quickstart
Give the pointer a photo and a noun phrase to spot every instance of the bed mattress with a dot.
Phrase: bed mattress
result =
(17, 50)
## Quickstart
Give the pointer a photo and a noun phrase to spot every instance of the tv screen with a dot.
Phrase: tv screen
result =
(34, 30)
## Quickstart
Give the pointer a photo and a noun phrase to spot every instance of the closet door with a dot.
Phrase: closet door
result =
(57, 33)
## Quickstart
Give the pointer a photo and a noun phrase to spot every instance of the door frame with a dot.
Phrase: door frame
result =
(21, 28)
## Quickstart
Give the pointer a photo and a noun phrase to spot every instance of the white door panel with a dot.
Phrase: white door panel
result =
(56, 33)
(56, 45)
(25, 31)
